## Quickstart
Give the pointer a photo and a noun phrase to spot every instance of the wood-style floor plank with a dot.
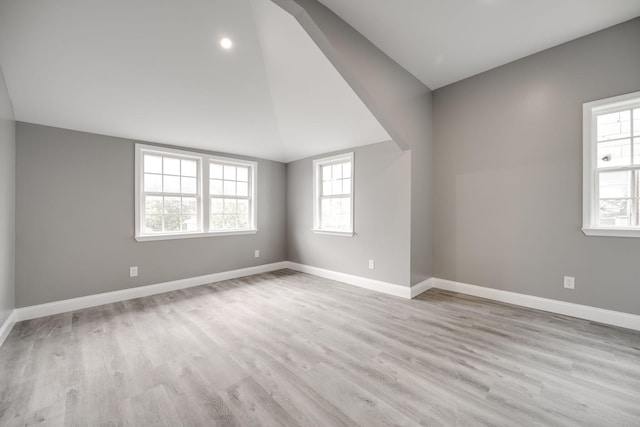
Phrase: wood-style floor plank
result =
(291, 349)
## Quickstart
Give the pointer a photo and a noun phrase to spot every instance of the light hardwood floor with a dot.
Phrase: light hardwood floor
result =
(286, 349)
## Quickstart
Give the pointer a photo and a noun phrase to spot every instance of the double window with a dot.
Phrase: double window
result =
(187, 194)
(333, 195)
(612, 167)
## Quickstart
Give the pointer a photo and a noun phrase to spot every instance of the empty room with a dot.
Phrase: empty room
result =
(320, 213)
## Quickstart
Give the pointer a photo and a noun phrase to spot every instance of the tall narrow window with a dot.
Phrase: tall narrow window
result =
(333, 194)
(612, 166)
(170, 185)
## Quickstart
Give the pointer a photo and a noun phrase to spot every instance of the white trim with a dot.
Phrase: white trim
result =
(7, 326)
(64, 306)
(612, 232)
(363, 282)
(335, 233)
(609, 317)
(590, 197)
(421, 287)
(148, 238)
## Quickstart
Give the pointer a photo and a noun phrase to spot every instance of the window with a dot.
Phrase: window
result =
(612, 167)
(333, 195)
(170, 194)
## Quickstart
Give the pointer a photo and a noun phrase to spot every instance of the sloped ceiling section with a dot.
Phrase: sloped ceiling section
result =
(314, 105)
(153, 70)
(443, 41)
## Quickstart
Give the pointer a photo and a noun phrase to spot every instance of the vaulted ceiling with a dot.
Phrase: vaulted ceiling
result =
(153, 70)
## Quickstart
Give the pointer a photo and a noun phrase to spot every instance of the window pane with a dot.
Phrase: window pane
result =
(215, 187)
(152, 164)
(243, 189)
(243, 174)
(171, 184)
(336, 186)
(189, 185)
(216, 222)
(189, 205)
(336, 171)
(614, 125)
(346, 186)
(614, 153)
(615, 185)
(217, 206)
(171, 166)
(243, 221)
(243, 206)
(229, 172)
(172, 205)
(230, 222)
(229, 188)
(636, 151)
(346, 170)
(636, 121)
(189, 168)
(215, 171)
(230, 206)
(189, 222)
(326, 173)
(172, 222)
(615, 213)
(326, 188)
(153, 223)
(153, 205)
(152, 183)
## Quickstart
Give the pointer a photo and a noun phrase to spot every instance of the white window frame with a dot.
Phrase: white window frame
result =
(317, 191)
(203, 194)
(590, 186)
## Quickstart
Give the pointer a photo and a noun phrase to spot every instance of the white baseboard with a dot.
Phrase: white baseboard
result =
(363, 282)
(5, 328)
(421, 287)
(57, 307)
(595, 314)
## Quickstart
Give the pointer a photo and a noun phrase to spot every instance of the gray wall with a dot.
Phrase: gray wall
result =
(400, 102)
(7, 202)
(508, 174)
(381, 217)
(75, 221)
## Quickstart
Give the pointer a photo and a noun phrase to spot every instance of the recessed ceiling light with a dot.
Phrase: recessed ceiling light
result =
(226, 43)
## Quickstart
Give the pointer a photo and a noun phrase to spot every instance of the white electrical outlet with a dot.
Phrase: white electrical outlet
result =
(569, 282)
(257, 253)
(372, 264)
(133, 271)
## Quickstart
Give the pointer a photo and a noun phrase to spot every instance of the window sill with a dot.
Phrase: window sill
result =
(334, 233)
(152, 237)
(611, 232)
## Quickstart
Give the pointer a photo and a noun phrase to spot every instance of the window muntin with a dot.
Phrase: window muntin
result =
(187, 194)
(333, 194)
(612, 166)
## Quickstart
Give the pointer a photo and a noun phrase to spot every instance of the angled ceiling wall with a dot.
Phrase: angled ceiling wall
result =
(153, 70)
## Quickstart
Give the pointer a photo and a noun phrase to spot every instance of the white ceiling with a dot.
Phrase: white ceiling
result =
(153, 70)
(443, 41)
